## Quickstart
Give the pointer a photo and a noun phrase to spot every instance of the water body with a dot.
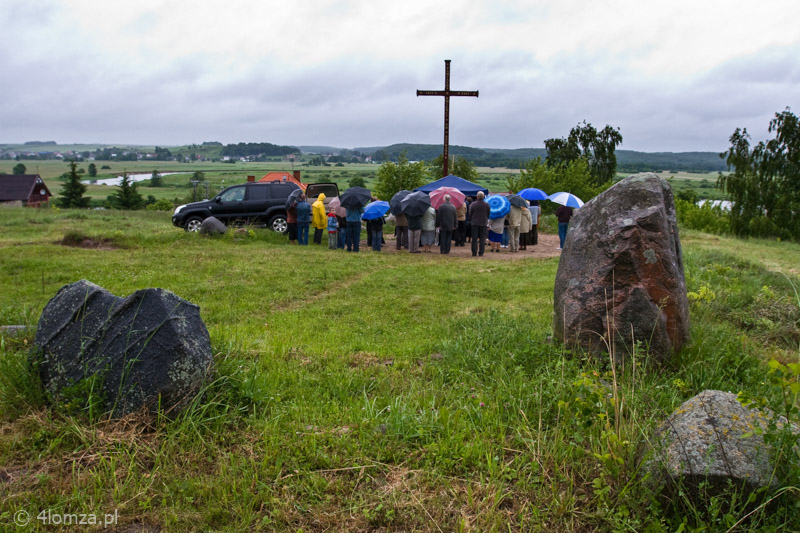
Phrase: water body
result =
(724, 204)
(132, 177)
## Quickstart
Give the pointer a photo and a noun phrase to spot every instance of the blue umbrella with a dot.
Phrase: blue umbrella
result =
(499, 206)
(565, 198)
(375, 210)
(533, 194)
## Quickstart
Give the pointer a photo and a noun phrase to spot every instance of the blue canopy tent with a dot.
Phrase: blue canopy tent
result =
(467, 187)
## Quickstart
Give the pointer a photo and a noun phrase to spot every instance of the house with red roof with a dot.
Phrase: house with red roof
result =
(23, 189)
(285, 177)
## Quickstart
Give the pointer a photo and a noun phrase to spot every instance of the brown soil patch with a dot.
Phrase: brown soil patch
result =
(88, 242)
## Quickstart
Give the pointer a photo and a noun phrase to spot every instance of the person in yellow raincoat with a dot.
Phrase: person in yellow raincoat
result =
(319, 218)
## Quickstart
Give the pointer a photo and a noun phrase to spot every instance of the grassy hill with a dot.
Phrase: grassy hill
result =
(390, 392)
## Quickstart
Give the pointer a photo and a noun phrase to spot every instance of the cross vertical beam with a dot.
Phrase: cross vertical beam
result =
(447, 93)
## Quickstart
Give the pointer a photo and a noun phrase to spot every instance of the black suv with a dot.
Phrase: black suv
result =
(257, 203)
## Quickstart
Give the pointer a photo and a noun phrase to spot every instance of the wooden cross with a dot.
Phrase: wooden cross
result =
(447, 93)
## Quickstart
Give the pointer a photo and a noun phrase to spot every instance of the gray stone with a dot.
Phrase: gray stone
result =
(702, 441)
(620, 279)
(212, 226)
(150, 349)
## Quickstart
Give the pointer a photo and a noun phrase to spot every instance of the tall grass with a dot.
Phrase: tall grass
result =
(371, 391)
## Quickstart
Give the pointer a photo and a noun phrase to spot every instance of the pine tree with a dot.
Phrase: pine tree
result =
(72, 191)
(155, 179)
(127, 197)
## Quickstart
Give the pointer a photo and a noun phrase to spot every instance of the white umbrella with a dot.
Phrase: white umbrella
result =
(565, 198)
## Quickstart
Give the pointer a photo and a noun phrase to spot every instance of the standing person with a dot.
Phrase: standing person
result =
(496, 228)
(461, 226)
(341, 221)
(514, 222)
(353, 228)
(467, 225)
(401, 231)
(291, 223)
(414, 233)
(333, 231)
(428, 229)
(563, 214)
(303, 220)
(524, 228)
(479, 219)
(375, 228)
(319, 219)
(447, 220)
(535, 211)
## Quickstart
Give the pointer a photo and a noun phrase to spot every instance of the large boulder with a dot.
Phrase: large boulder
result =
(620, 279)
(150, 349)
(703, 442)
(212, 226)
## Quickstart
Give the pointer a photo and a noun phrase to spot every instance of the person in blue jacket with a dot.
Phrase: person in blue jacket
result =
(303, 220)
(353, 228)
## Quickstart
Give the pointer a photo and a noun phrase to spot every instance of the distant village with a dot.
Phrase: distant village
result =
(207, 152)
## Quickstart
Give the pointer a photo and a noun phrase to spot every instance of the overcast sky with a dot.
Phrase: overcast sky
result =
(676, 75)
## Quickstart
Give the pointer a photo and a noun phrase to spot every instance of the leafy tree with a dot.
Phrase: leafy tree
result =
(156, 180)
(392, 177)
(573, 177)
(357, 181)
(764, 185)
(72, 192)
(126, 197)
(92, 170)
(19, 169)
(458, 166)
(596, 147)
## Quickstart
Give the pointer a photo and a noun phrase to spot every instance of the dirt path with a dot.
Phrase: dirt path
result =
(547, 247)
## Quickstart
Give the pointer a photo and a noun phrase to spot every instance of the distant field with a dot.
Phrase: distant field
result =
(220, 175)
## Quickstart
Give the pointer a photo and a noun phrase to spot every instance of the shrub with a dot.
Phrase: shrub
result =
(703, 218)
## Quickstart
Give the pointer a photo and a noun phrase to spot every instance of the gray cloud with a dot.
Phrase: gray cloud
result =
(71, 91)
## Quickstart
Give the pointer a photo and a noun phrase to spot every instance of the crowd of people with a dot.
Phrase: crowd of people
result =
(470, 222)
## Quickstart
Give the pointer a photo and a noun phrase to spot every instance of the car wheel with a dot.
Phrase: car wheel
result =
(278, 224)
(193, 224)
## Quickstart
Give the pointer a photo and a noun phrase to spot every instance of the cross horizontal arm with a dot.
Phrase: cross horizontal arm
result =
(447, 93)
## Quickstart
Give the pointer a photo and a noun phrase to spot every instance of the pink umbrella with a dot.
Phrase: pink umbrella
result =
(334, 206)
(437, 196)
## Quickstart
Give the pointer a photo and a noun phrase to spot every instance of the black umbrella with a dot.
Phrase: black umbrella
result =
(292, 199)
(355, 197)
(394, 203)
(517, 200)
(415, 204)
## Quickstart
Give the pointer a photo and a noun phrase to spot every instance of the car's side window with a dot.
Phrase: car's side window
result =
(256, 193)
(281, 191)
(235, 194)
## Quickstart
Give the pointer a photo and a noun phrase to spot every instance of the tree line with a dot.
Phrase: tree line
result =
(627, 160)
(255, 149)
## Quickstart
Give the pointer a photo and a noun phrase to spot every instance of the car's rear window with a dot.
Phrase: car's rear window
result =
(330, 190)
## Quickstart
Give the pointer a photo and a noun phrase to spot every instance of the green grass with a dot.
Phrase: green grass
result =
(371, 391)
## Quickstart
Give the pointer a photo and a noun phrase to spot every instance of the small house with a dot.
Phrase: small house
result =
(23, 189)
